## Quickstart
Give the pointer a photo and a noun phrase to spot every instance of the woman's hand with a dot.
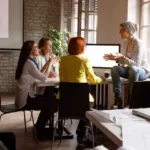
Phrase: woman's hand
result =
(109, 57)
(53, 59)
(113, 57)
(52, 74)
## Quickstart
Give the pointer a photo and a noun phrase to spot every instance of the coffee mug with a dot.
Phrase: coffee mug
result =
(106, 74)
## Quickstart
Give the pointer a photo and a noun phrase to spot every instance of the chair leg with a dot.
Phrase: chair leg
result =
(25, 125)
(54, 134)
(61, 133)
(31, 111)
(34, 127)
(92, 134)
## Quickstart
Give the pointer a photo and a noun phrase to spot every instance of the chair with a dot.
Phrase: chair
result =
(10, 108)
(73, 103)
(140, 96)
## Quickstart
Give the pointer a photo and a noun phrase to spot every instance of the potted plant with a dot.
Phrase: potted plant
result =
(59, 39)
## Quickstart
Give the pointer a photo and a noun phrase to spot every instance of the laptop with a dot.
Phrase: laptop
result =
(142, 112)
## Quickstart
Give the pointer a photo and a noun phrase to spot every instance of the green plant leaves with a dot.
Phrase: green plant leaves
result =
(59, 38)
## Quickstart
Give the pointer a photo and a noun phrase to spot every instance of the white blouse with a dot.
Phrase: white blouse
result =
(41, 60)
(26, 83)
(137, 55)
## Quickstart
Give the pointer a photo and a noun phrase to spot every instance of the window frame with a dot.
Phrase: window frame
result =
(143, 26)
(141, 16)
(87, 14)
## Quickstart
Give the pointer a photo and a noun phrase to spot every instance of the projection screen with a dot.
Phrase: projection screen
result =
(11, 24)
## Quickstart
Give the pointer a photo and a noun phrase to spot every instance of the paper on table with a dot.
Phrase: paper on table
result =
(136, 135)
(119, 116)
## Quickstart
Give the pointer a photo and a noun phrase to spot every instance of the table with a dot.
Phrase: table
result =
(112, 131)
(109, 128)
(99, 91)
(55, 82)
(48, 82)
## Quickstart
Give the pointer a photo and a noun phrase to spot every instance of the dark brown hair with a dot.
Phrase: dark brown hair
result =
(24, 54)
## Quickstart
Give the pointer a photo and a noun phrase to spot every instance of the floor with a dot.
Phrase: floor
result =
(25, 140)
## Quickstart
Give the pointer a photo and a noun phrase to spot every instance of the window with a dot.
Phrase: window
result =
(80, 17)
(145, 25)
(88, 12)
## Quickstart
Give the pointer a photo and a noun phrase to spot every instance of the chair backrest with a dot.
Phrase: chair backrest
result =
(74, 100)
(140, 96)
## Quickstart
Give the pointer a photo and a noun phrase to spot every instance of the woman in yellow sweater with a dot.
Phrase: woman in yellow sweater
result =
(76, 68)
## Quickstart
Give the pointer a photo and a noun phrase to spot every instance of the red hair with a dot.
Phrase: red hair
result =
(76, 45)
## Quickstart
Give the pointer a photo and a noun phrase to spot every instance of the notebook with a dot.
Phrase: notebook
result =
(142, 112)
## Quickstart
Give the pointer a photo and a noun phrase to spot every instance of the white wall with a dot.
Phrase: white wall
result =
(15, 25)
(110, 14)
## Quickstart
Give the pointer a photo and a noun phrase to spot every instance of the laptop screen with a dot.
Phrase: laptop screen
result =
(95, 53)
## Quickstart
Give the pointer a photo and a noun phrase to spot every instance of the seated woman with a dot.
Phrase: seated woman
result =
(26, 74)
(45, 46)
(76, 68)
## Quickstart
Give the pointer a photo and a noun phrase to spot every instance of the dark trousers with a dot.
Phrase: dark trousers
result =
(82, 126)
(48, 107)
(8, 139)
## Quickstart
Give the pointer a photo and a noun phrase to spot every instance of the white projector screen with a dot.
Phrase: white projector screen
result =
(11, 24)
(4, 14)
(95, 53)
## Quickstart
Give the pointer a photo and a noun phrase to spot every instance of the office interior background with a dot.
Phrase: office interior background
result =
(95, 20)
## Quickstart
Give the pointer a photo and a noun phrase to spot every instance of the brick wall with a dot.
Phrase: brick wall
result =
(8, 62)
(37, 14)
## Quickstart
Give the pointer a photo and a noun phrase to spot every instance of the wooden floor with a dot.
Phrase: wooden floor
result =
(25, 140)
